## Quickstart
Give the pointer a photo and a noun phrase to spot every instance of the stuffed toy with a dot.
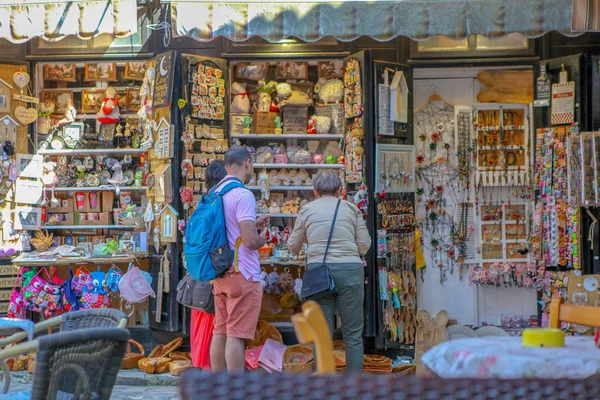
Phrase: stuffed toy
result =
(297, 99)
(109, 112)
(283, 90)
(241, 101)
(312, 129)
(330, 91)
(322, 124)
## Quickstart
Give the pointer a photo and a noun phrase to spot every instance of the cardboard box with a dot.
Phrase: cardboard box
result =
(237, 126)
(295, 120)
(264, 122)
(108, 200)
(104, 218)
(67, 206)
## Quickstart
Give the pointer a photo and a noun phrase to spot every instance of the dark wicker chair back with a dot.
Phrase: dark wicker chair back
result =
(197, 384)
(79, 365)
(92, 318)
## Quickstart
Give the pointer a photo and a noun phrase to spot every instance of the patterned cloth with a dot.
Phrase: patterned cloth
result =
(507, 358)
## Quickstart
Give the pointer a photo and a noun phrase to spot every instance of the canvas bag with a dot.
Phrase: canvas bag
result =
(79, 279)
(199, 295)
(134, 287)
(318, 282)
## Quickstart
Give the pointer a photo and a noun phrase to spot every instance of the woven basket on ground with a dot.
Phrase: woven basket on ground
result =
(130, 360)
(298, 359)
(264, 331)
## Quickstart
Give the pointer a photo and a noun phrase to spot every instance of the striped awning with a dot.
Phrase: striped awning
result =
(52, 20)
(380, 19)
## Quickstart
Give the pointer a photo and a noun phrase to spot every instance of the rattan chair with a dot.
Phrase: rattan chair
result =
(81, 364)
(195, 384)
(71, 321)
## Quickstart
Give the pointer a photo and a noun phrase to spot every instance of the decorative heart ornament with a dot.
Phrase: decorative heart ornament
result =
(26, 115)
(21, 79)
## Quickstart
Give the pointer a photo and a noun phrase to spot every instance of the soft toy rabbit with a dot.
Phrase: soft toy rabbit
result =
(241, 102)
(330, 91)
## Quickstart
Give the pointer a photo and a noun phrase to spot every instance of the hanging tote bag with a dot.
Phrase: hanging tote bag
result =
(317, 281)
(134, 286)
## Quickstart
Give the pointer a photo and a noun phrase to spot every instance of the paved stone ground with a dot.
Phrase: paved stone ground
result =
(131, 385)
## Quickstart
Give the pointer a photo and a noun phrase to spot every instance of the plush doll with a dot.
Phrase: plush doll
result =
(297, 99)
(241, 102)
(109, 112)
(283, 90)
(330, 91)
(322, 124)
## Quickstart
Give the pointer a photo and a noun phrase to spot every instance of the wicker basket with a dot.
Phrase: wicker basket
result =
(264, 331)
(298, 359)
(130, 360)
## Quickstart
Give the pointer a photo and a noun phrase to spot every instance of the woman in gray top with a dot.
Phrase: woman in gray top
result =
(350, 241)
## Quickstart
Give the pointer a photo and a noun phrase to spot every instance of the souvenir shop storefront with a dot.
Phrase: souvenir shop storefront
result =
(473, 159)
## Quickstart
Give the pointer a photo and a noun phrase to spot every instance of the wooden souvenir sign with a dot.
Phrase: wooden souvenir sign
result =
(253, 71)
(27, 218)
(29, 166)
(61, 98)
(168, 225)
(133, 99)
(163, 145)
(8, 129)
(399, 98)
(135, 70)
(331, 69)
(91, 100)
(163, 80)
(291, 70)
(21, 79)
(100, 72)
(5, 91)
(163, 186)
(26, 115)
(563, 103)
(60, 72)
(26, 99)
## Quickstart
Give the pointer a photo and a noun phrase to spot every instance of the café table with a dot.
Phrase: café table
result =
(507, 358)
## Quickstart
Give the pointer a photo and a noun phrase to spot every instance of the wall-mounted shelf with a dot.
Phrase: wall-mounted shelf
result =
(281, 215)
(98, 188)
(87, 227)
(304, 136)
(91, 152)
(94, 116)
(275, 188)
(305, 166)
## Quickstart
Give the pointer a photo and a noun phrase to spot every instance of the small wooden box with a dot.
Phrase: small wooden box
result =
(108, 200)
(66, 206)
(104, 218)
(264, 122)
(295, 120)
(237, 123)
(336, 113)
(68, 219)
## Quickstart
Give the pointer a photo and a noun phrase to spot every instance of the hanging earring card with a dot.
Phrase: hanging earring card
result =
(574, 166)
(395, 168)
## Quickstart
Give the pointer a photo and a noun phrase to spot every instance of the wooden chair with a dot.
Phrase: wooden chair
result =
(311, 327)
(580, 315)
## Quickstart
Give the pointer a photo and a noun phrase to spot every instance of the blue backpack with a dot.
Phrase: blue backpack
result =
(207, 252)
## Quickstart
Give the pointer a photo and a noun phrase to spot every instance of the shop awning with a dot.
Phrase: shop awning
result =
(21, 20)
(380, 19)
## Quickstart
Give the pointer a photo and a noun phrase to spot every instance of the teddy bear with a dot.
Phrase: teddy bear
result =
(330, 91)
(241, 101)
(109, 112)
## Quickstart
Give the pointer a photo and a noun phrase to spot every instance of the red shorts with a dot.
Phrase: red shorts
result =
(237, 305)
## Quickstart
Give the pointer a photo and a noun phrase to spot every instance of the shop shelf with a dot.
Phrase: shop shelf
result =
(305, 166)
(87, 227)
(94, 116)
(305, 136)
(98, 188)
(272, 188)
(281, 215)
(91, 152)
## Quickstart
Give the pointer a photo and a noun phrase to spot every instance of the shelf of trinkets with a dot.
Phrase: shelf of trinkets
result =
(306, 166)
(87, 227)
(302, 136)
(99, 188)
(99, 152)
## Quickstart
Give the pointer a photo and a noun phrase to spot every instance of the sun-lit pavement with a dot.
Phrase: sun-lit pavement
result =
(127, 392)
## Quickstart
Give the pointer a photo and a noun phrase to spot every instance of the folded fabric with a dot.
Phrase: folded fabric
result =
(252, 357)
(271, 356)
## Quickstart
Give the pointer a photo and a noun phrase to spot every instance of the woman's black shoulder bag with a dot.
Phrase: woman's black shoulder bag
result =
(317, 282)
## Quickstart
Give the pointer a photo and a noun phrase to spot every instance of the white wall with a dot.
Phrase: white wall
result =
(466, 304)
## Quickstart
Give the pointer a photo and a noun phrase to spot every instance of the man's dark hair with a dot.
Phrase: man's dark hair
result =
(214, 173)
(237, 155)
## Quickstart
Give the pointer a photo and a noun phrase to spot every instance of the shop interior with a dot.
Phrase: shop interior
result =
(475, 161)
